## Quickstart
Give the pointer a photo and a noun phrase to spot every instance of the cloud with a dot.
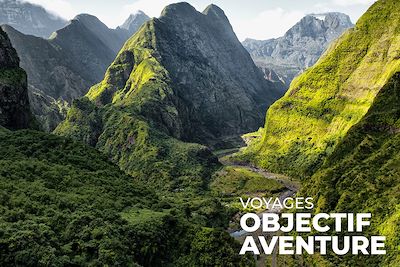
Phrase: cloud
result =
(353, 8)
(268, 24)
(59, 7)
(352, 2)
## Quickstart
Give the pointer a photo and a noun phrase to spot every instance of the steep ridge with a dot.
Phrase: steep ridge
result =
(167, 85)
(363, 174)
(14, 102)
(304, 127)
(65, 66)
(215, 78)
(29, 18)
(286, 57)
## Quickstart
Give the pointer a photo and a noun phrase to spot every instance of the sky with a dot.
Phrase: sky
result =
(256, 19)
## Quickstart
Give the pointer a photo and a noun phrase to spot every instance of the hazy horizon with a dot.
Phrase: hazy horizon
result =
(262, 19)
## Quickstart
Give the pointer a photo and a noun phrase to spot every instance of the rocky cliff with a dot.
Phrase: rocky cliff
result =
(14, 103)
(64, 67)
(29, 18)
(286, 57)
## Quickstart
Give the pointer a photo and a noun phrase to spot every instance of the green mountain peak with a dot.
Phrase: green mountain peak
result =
(181, 79)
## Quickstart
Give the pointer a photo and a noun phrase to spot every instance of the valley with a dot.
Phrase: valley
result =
(134, 145)
(288, 188)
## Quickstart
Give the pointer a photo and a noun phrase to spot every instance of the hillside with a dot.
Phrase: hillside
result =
(64, 67)
(286, 57)
(305, 126)
(363, 174)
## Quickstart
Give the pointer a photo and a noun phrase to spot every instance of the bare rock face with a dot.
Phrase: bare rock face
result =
(300, 48)
(14, 102)
(222, 91)
(134, 22)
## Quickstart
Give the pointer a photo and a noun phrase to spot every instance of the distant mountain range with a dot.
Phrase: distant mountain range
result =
(286, 57)
(63, 67)
(133, 23)
(29, 18)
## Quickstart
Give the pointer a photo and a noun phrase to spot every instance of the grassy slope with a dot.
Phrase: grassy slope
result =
(328, 99)
(63, 203)
(121, 116)
(363, 174)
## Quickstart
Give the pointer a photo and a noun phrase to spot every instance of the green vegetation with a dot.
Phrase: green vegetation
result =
(141, 216)
(12, 76)
(140, 149)
(125, 116)
(207, 248)
(363, 175)
(338, 128)
(132, 118)
(234, 182)
(63, 203)
(305, 126)
(240, 181)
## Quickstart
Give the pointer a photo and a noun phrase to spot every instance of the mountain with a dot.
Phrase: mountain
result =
(64, 67)
(305, 126)
(167, 88)
(14, 102)
(111, 38)
(286, 57)
(29, 18)
(134, 22)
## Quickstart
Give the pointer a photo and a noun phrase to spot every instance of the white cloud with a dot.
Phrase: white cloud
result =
(59, 7)
(352, 2)
(353, 8)
(268, 24)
